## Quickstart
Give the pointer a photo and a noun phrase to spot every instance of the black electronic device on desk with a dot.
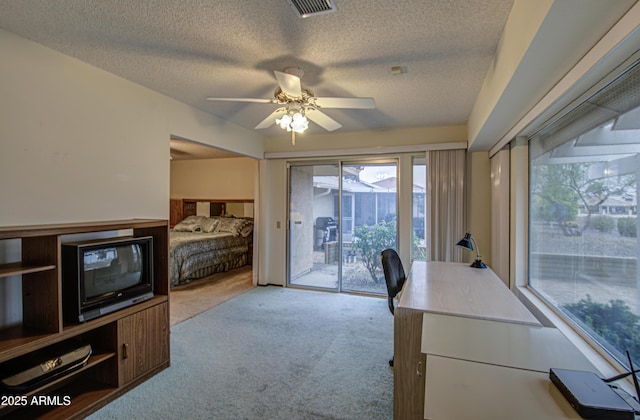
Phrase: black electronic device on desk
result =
(593, 398)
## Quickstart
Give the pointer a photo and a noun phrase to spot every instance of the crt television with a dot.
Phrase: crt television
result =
(105, 275)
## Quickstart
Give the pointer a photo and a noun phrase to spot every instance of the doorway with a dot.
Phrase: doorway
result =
(341, 216)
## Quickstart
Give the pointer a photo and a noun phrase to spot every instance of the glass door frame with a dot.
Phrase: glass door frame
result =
(310, 163)
(340, 163)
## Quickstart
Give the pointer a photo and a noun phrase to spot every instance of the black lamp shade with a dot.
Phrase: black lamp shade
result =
(466, 242)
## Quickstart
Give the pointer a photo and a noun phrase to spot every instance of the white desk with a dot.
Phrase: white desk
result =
(500, 343)
(478, 368)
(457, 289)
(462, 390)
(453, 289)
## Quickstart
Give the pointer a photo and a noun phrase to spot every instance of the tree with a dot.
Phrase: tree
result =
(552, 199)
(558, 191)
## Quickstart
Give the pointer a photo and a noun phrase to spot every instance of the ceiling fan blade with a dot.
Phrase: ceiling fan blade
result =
(271, 119)
(355, 103)
(289, 84)
(258, 100)
(322, 119)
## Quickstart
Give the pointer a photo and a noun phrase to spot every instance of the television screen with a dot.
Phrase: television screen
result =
(107, 270)
(104, 275)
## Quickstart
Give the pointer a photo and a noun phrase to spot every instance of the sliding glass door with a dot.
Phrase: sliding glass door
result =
(341, 216)
(313, 226)
(369, 209)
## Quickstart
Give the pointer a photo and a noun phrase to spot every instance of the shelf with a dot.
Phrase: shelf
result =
(15, 232)
(70, 330)
(14, 269)
(94, 360)
(62, 387)
(42, 331)
(83, 396)
(16, 341)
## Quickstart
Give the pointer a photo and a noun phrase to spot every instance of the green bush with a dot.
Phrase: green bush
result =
(370, 241)
(603, 223)
(627, 226)
(613, 322)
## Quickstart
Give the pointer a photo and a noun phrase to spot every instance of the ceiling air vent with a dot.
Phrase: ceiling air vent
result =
(306, 8)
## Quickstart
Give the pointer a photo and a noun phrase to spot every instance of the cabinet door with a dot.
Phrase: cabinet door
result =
(143, 340)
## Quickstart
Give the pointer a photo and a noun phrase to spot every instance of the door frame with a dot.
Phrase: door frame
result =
(391, 160)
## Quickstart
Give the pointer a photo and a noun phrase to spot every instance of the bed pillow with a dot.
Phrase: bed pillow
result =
(246, 229)
(193, 219)
(209, 224)
(187, 227)
(230, 225)
(190, 224)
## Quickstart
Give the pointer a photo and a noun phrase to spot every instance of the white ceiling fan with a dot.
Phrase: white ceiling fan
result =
(298, 104)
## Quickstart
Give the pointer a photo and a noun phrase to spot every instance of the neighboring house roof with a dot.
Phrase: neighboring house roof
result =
(391, 183)
(387, 185)
(619, 201)
(350, 184)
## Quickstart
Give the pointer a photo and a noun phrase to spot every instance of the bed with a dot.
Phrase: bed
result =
(200, 246)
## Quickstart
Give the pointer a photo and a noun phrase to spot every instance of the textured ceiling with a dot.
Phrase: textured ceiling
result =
(191, 49)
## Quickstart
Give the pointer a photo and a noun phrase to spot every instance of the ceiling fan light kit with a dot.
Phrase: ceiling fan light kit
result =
(295, 123)
(299, 105)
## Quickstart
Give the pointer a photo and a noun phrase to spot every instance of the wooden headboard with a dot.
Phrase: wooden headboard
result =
(180, 208)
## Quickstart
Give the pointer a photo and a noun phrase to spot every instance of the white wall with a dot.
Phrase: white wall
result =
(479, 204)
(273, 199)
(338, 140)
(80, 144)
(541, 42)
(231, 178)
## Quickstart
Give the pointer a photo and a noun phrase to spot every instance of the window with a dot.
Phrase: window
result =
(418, 211)
(583, 218)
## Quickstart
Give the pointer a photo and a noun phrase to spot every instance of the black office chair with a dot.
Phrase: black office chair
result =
(394, 277)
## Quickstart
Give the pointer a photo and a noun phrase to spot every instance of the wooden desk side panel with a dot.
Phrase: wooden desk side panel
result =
(409, 365)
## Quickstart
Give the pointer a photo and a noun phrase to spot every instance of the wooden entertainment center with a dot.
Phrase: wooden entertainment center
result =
(129, 345)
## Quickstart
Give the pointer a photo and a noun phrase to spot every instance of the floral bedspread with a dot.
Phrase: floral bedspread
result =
(191, 254)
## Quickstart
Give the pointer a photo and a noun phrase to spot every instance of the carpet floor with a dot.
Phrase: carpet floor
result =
(273, 353)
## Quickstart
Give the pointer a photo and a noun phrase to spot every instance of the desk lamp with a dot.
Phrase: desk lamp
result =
(469, 243)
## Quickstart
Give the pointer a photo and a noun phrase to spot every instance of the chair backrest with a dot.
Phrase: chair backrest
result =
(393, 274)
